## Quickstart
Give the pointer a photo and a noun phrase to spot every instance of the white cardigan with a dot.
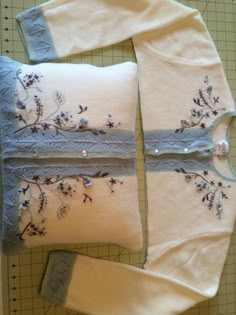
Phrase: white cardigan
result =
(186, 108)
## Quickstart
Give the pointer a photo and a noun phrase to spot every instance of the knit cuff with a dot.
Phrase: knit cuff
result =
(57, 276)
(36, 35)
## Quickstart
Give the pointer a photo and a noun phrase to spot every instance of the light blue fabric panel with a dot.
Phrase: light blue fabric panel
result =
(58, 275)
(171, 162)
(164, 141)
(35, 32)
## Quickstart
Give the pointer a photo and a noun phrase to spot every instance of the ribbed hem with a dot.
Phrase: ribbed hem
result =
(35, 34)
(57, 276)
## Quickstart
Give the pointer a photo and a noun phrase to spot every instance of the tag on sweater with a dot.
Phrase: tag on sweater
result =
(221, 148)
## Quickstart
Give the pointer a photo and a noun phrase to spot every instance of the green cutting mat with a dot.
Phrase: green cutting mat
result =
(22, 274)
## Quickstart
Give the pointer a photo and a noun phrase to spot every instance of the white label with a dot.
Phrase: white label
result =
(221, 148)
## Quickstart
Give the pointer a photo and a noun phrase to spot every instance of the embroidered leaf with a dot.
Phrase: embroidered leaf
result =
(42, 199)
(179, 130)
(24, 190)
(197, 101)
(82, 109)
(98, 174)
(209, 89)
(20, 104)
(63, 211)
(59, 98)
(87, 197)
(224, 196)
(206, 79)
(104, 174)
(21, 118)
(102, 132)
(202, 97)
(216, 99)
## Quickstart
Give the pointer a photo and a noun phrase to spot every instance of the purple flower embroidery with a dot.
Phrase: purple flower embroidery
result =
(205, 106)
(213, 192)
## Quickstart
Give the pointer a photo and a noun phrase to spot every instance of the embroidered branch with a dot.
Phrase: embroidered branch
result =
(205, 106)
(58, 120)
(62, 121)
(37, 188)
(213, 192)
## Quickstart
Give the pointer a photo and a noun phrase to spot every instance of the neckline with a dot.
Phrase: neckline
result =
(226, 136)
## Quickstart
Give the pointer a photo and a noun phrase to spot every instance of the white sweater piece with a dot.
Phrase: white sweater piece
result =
(68, 143)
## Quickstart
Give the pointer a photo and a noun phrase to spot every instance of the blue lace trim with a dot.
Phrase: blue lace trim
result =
(69, 167)
(116, 142)
(57, 276)
(36, 35)
(166, 141)
(171, 162)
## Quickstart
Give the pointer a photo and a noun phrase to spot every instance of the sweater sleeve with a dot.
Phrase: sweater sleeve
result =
(183, 275)
(60, 28)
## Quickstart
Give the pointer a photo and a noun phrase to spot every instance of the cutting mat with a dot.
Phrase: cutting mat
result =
(21, 275)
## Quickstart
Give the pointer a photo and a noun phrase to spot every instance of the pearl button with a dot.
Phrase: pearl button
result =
(84, 153)
(35, 153)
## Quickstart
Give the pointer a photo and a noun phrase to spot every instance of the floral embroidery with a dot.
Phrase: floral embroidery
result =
(111, 123)
(33, 229)
(112, 182)
(61, 121)
(64, 189)
(205, 106)
(58, 120)
(213, 192)
(29, 79)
